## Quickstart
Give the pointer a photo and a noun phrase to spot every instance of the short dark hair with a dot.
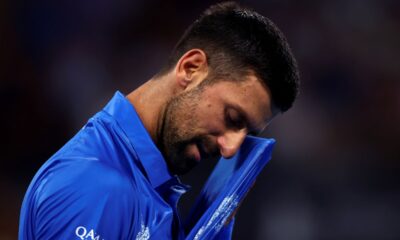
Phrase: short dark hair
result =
(237, 40)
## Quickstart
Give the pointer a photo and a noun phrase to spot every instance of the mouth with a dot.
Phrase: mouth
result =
(197, 152)
(203, 153)
(194, 151)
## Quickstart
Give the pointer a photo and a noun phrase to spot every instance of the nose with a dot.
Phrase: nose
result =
(229, 143)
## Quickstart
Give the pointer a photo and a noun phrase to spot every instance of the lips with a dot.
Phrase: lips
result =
(197, 152)
(193, 151)
(203, 153)
(201, 149)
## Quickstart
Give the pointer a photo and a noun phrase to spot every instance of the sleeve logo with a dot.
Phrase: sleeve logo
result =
(84, 234)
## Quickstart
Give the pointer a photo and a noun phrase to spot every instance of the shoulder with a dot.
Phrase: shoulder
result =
(90, 194)
(84, 186)
(90, 174)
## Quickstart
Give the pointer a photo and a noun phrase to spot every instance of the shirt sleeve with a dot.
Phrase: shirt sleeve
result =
(87, 200)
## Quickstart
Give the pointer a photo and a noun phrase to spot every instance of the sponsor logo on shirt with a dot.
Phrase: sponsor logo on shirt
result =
(144, 233)
(85, 234)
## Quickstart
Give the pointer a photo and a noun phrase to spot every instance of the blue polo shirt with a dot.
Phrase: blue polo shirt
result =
(108, 182)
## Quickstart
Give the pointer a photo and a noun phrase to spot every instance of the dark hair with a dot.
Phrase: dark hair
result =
(238, 40)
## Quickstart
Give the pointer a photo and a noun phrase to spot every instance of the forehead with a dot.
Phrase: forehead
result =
(249, 96)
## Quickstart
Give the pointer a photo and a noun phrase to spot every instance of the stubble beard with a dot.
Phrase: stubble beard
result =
(178, 131)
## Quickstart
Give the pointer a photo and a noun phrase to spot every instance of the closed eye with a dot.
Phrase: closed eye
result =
(234, 119)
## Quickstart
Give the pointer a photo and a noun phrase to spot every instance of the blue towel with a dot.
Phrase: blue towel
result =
(226, 187)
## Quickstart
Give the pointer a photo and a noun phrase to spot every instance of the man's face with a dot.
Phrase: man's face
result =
(212, 120)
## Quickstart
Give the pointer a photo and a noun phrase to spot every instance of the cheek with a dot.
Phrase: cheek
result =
(210, 118)
(190, 123)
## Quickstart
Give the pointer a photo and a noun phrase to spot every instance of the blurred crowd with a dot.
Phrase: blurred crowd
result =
(335, 167)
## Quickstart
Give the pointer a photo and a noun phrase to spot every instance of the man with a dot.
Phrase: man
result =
(229, 75)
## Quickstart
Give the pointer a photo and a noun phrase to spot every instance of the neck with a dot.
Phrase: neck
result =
(150, 101)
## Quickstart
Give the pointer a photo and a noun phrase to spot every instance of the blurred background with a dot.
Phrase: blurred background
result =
(335, 168)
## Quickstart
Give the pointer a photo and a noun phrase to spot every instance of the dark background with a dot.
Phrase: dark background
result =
(334, 173)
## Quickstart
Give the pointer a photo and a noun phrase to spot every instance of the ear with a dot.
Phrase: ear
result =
(191, 69)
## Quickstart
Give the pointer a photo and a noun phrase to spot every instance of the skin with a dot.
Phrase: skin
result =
(191, 121)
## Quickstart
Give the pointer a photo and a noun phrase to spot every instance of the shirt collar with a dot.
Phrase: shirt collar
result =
(149, 155)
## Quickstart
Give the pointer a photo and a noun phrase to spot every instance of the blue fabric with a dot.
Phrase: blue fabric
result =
(227, 186)
(108, 182)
